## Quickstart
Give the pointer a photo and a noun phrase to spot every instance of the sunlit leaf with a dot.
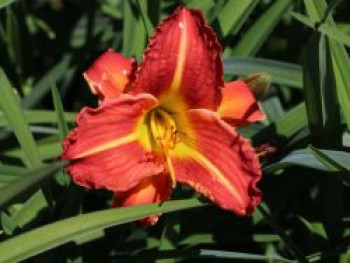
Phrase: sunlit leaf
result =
(39, 117)
(305, 158)
(281, 72)
(328, 161)
(340, 58)
(71, 229)
(4, 3)
(325, 29)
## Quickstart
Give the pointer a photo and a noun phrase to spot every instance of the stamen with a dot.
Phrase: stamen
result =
(164, 133)
(171, 171)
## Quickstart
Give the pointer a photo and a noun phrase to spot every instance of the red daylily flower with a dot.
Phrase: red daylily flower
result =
(167, 122)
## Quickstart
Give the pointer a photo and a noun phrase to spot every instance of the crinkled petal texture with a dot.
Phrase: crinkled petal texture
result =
(182, 66)
(110, 74)
(108, 149)
(152, 189)
(239, 106)
(217, 162)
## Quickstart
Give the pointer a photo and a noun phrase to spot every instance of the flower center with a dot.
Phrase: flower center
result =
(164, 137)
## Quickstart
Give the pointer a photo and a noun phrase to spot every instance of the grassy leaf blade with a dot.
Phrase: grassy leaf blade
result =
(42, 87)
(15, 189)
(142, 4)
(330, 163)
(324, 28)
(281, 72)
(340, 58)
(4, 3)
(40, 116)
(233, 15)
(257, 34)
(12, 110)
(62, 123)
(55, 234)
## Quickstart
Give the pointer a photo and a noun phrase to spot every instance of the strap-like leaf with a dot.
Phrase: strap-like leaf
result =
(72, 229)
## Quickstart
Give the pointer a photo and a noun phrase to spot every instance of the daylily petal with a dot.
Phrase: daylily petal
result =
(182, 66)
(108, 149)
(152, 189)
(239, 106)
(110, 74)
(217, 162)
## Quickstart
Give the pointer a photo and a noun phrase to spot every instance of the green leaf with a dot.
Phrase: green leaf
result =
(29, 210)
(208, 238)
(40, 24)
(219, 254)
(13, 40)
(14, 114)
(195, 239)
(7, 224)
(42, 87)
(142, 5)
(234, 14)
(305, 158)
(292, 121)
(333, 208)
(28, 182)
(11, 169)
(71, 229)
(316, 10)
(341, 68)
(169, 237)
(253, 39)
(329, 10)
(134, 33)
(340, 58)
(214, 12)
(327, 161)
(110, 9)
(62, 177)
(281, 72)
(328, 30)
(285, 238)
(50, 147)
(273, 108)
(4, 3)
(320, 93)
(203, 5)
(62, 124)
(314, 227)
(282, 129)
(139, 41)
(39, 116)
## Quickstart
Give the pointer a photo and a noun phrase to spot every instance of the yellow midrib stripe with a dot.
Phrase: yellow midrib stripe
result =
(109, 145)
(201, 159)
(175, 84)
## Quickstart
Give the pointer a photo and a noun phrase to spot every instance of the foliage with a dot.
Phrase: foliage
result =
(47, 44)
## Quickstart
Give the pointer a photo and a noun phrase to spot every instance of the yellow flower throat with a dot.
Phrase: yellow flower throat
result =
(164, 137)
